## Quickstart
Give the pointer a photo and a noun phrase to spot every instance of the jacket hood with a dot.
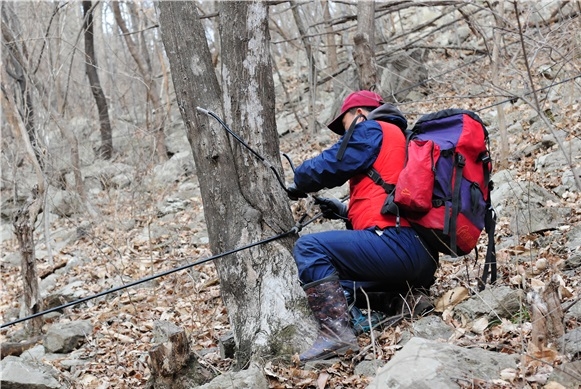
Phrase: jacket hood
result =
(389, 113)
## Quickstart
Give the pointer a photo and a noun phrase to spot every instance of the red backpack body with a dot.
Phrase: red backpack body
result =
(444, 187)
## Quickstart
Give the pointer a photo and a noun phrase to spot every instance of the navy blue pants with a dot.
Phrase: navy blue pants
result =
(381, 260)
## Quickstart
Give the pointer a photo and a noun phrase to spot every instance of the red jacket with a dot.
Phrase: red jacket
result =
(367, 197)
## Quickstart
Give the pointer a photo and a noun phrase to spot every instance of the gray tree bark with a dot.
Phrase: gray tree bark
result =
(93, 76)
(364, 50)
(144, 68)
(243, 203)
(331, 46)
(312, 74)
(24, 224)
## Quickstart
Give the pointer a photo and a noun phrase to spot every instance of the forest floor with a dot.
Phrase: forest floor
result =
(110, 249)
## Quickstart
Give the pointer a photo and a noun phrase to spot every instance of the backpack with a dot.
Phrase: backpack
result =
(444, 187)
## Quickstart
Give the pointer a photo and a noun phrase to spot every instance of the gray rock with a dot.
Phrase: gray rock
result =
(6, 232)
(163, 330)
(153, 232)
(171, 205)
(571, 341)
(567, 182)
(567, 374)
(243, 379)
(555, 161)
(59, 239)
(11, 259)
(368, 368)
(427, 364)
(178, 166)
(573, 262)
(122, 180)
(285, 123)
(574, 312)
(227, 345)
(492, 302)
(17, 373)
(72, 291)
(48, 283)
(176, 140)
(432, 327)
(64, 203)
(403, 72)
(35, 353)
(574, 238)
(104, 174)
(65, 337)
(525, 204)
(530, 149)
(189, 190)
(515, 128)
(71, 264)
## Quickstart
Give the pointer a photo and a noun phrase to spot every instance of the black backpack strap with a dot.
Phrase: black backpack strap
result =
(376, 177)
(484, 157)
(459, 162)
(490, 261)
(347, 137)
(389, 206)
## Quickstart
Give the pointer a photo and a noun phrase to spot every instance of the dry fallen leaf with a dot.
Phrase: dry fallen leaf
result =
(509, 374)
(536, 284)
(479, 325)
(553, 385)
(322, 380)
(452, 298)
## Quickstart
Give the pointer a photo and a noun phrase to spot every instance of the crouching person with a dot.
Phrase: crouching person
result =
(376, 249)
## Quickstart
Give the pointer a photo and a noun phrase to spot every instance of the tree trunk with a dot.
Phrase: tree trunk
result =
(496, 70)
(24, 224)
(171, 361)
(366, 21)
(91, 70)
(24, 229)
(18, 61)
(331, 47)
(242, 201)
(364, 51)
(546, 315)
(311, 64)
(150, 84)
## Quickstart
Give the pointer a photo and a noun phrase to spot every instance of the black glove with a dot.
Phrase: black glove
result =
(332, 208)
(294, 193)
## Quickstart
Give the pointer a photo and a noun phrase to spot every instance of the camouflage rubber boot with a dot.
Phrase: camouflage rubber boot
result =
(329, 306)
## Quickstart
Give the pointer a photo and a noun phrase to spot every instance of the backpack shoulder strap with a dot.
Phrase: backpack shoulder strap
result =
(347, 137)
(376, 177)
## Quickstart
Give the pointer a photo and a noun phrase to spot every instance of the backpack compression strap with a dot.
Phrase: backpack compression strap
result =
(490, 260)
(389, 206)
(347, 136)
(451, 220)
(376, 177)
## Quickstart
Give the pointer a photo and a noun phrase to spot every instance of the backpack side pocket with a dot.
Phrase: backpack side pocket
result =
(415, 184)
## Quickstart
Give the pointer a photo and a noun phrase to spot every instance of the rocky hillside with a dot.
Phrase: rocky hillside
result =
(147, 218)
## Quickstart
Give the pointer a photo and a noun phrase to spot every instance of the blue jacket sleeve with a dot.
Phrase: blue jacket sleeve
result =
(325, 171)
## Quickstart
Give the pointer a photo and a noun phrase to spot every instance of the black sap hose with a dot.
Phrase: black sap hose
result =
(294, 230)
(241, 141)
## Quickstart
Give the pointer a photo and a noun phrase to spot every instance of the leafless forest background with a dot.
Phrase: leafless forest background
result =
(55, 129)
